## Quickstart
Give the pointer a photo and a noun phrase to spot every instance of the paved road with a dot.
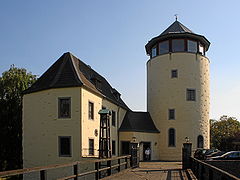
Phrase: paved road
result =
(152, 171)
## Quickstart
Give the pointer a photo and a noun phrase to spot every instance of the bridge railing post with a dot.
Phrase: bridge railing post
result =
(126, 160)
(75, 171)
(97, 168)
(109, 171)
(119, 167)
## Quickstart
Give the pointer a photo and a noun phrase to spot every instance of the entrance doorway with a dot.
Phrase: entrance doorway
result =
(146, 145)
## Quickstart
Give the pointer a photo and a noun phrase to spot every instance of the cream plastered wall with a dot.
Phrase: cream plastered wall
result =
(141, 137)
(89, 125)
(120, 113)
(164, 93)
(41, 127)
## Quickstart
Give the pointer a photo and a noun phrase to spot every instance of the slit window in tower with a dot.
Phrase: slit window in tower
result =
(191, 95)
(200, 141)
(171, 137)
(163, 47)
(171, 114)
(174, 73)
(154, 51)
(177, 45)
(192, 46)
(91, 147)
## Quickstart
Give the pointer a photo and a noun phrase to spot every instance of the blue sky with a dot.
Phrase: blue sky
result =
(111, 35)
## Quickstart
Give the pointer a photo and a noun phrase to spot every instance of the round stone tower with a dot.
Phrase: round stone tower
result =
(178, 89)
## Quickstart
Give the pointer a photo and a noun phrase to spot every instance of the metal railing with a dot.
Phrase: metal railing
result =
(203, 170)
(100, 166)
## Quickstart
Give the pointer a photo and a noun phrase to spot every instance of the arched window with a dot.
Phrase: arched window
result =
(200, 141)
(171, 137)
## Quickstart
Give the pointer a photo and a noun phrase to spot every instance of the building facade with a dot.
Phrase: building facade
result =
(178, 89)
(60, 111)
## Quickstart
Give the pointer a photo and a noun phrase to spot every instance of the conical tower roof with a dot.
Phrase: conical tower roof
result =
(176, 27)
(174, 31)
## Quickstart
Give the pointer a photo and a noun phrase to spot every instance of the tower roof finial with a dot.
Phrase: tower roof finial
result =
(176, 16)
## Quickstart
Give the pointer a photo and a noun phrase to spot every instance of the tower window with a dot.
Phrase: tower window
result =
(113, 147)
(163, 47)
(64, 107)
(171, 114)
(177, 45)
(201, 49)
(174, 73)
(171, 137)
(192, 46)
(154, 52)
(200, 141)
(91, 147)
(64, 143)
(191, 95)
(113, 118)
(90, 110)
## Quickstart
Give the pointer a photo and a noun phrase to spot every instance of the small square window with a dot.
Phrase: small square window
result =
(171, 114)
(174, 73)
(90, 110)
(191, 95)
(113, 118)
(91, 147)
(64, 146)
(64, 107)
(113, 147)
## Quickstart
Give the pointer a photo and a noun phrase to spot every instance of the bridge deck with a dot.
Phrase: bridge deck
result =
(152, 170)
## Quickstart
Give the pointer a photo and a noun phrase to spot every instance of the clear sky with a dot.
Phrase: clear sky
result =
(111, 35)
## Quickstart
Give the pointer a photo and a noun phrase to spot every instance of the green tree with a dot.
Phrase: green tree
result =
(12, 83)
(222, 131)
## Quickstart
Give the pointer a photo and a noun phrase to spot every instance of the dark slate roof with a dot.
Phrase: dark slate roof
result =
(138, 122)
(176, 27)
(176, 30)
(69, 71)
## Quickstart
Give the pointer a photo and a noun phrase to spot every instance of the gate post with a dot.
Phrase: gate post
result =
(186, 155)
(134, 154)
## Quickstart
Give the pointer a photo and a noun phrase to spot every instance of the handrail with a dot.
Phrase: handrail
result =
(55, 166)
(213, 169)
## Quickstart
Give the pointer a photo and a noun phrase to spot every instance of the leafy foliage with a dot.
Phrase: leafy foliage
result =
(223, 132)
(12, 83)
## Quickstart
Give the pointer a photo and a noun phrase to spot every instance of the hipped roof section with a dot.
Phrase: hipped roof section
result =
(69, 71)
(138, 122)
